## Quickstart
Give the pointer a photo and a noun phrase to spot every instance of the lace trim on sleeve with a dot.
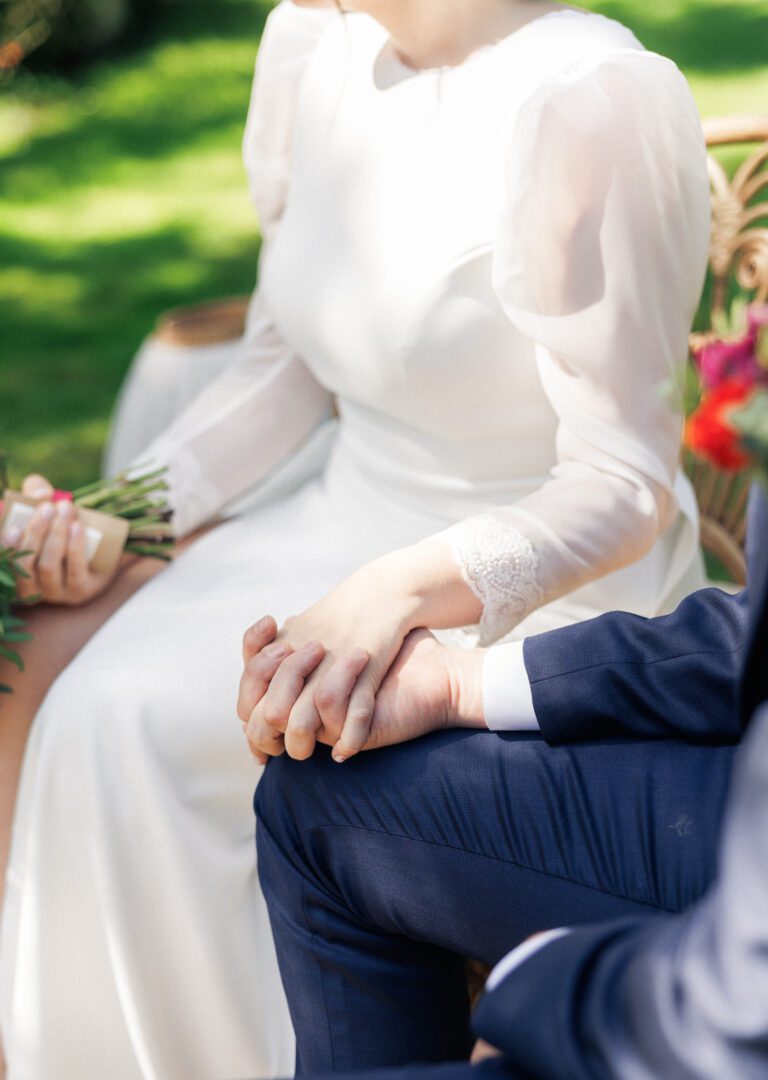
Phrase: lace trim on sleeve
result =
(500, 565)
(192, 496)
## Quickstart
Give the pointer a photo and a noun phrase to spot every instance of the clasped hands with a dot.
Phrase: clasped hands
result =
(355, 671)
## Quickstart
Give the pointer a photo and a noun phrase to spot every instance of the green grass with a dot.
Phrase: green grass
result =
(122, 194)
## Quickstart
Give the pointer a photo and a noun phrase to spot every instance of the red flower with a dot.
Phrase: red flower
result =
(709, 432)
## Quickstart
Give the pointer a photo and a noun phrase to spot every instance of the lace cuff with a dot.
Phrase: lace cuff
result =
(500, 565)
(191, 496)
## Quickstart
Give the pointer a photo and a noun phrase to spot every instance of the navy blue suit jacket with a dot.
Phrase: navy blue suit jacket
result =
(686, 675)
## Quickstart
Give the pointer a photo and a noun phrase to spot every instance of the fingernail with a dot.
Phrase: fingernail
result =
(40, 492)
(273, 652)
(311, 646)
(75, 530)
(47, 511)
(13, 537)
(64, 509)
(339, 759)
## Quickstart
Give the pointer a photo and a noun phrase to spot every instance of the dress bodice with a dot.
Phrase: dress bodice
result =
(381, 273)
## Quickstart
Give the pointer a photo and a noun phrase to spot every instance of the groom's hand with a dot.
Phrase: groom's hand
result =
(429, 687)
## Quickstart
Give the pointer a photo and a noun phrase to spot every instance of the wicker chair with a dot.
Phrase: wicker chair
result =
(738, 263)
(204, 324)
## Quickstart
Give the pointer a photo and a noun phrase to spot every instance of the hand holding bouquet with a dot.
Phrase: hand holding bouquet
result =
(65, 547)
(729, 428)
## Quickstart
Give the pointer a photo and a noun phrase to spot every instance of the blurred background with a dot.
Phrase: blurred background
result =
(122, 193)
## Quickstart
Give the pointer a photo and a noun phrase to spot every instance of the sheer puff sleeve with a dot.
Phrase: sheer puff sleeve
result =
(600, 259)
(267, 402)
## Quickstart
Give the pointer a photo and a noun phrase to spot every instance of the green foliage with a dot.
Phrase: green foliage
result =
(12, 631)
(752, 422)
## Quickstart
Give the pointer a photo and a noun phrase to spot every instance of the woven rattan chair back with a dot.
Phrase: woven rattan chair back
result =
(738, 264)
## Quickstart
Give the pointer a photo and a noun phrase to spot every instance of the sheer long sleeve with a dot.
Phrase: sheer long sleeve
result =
(600, 259)
(267, 401)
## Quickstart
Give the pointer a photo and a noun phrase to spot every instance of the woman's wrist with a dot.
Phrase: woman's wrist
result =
(429, 586)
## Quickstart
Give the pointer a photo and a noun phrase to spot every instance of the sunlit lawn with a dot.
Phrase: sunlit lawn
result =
(122, 194)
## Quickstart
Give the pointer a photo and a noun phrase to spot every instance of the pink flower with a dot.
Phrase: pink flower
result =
(730, 360)
(744, 358)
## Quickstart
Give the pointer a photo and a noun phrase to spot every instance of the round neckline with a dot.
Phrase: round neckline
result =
(388, 57)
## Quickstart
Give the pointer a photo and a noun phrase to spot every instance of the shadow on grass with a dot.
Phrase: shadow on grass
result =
(65, 362)
(699, 37)
(145, 106)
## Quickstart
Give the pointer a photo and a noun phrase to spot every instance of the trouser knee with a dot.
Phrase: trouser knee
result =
(288, 799)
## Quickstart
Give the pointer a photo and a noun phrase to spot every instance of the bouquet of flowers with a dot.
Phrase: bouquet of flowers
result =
(729, 427)
(125, 513)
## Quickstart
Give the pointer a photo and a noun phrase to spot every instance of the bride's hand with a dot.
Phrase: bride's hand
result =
(292, 699)
(56, 546)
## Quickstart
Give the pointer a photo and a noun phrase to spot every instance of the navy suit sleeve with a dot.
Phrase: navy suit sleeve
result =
(674, 676)
(540, 1014)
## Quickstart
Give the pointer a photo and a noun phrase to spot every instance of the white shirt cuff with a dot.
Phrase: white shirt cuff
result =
(507, 698)
(519, 955)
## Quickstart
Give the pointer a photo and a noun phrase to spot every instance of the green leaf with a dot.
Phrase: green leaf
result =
(7, 578)
(30, 601)
(12, 657)
(752, 422)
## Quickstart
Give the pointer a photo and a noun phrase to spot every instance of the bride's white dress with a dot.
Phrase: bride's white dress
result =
(491, 268)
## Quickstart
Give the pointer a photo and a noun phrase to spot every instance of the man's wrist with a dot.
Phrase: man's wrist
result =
(465, 676)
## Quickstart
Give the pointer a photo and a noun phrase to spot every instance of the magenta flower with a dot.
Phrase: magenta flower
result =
(730, 360)
(742, 358)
